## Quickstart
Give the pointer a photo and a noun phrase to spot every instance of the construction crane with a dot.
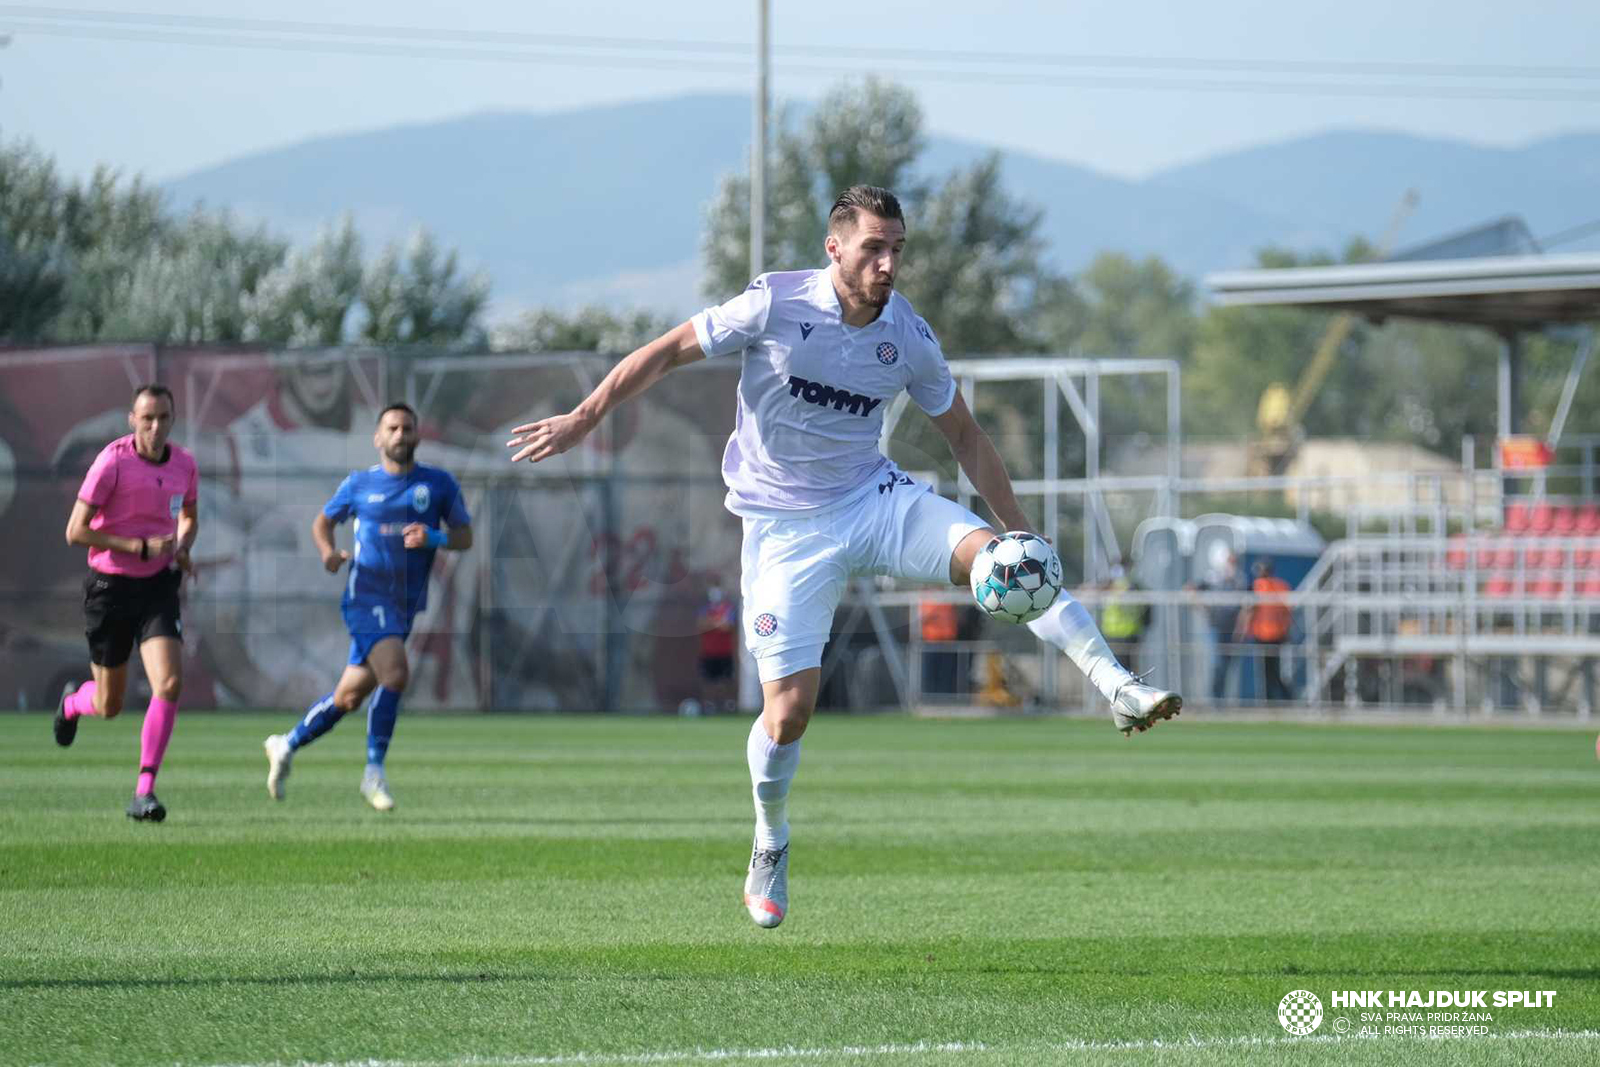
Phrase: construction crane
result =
(1278, 415)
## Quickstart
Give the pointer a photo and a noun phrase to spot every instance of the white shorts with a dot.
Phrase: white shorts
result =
(794, 571)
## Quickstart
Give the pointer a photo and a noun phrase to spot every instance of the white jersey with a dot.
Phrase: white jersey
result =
(812, 390)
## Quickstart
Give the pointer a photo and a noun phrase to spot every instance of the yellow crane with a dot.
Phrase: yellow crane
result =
(1280, 410)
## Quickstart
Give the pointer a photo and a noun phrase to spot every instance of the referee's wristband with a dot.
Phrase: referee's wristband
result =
(436, 537)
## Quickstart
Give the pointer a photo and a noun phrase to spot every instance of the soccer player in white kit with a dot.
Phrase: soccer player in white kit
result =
(823, 351)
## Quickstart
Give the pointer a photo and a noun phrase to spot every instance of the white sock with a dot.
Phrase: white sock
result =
(772, 768)
(1068, 626)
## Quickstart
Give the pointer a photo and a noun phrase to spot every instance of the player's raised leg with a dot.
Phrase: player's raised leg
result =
(1135, 707)
(388, 663)
(773, 752)
(323, 715)
(163, 666)
(100, 696)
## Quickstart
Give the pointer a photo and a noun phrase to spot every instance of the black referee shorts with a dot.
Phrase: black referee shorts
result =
(119, 611)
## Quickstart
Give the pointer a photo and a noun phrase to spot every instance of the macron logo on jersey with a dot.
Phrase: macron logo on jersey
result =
(805, 330)
(825, 395)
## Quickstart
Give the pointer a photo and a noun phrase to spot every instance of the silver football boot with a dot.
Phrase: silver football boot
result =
(1137, 707)
(766, 887)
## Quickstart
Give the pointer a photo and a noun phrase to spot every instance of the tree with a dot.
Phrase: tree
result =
(412, 296)
(590, 329)
(307, 301)
(972, 266)
(198, 286)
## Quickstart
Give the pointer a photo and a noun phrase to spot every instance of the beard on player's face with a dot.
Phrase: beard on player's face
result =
(400, 451)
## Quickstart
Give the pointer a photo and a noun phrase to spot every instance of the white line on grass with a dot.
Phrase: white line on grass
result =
(737, 1055)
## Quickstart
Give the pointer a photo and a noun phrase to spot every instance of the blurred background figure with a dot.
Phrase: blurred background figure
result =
(1268, 624)
(941, 624)
(1224, 620)
(1123, 623)
(719, 640)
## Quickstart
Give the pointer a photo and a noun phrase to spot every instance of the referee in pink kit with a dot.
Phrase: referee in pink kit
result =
(136, 514)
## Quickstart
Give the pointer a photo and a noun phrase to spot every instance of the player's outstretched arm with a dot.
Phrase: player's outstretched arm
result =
(637, 371)
(981, 461)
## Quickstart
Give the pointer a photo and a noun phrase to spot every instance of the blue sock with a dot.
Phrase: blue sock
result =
(320, 718)
(382, 711)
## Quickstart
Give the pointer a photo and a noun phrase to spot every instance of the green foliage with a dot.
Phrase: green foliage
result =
(972, 265)
(104, 260)
(412, 296)
(590, 329)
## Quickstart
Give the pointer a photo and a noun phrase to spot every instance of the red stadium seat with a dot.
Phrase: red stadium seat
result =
(1547, 584)
(1588, 520)
(1549, 559)
(1564, 521)
(1588, 586)
(1499, 585)
(1455, 556)
(1585, 555)
(1516, 517)
(1540, 517)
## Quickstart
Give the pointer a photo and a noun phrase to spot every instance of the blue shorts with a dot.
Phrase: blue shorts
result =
(372, 621)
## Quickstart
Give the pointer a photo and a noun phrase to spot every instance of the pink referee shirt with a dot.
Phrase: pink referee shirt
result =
(137, 498)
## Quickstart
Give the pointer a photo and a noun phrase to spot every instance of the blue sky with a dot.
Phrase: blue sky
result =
(164, 108)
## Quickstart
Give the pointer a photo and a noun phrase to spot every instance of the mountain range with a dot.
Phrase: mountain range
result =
(607, 204)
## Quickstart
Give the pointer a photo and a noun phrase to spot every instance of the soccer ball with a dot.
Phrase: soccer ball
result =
(1016, 576)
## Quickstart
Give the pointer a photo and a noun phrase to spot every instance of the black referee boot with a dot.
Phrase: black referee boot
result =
(66, 729)
(146, 807)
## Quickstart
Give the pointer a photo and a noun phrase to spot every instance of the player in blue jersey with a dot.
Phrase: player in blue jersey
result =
(398, 507)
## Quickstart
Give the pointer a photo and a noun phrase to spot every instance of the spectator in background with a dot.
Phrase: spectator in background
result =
(1121, 622)
(1268, 625)
(941, 622)
(718, 646)
(1224, 620)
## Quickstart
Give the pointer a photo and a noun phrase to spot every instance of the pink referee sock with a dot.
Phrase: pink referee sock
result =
(81, 702)
(158, 720)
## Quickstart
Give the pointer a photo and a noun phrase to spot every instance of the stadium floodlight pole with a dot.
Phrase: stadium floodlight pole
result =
(758, 147)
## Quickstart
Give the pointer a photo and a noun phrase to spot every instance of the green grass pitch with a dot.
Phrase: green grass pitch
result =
(972, 894)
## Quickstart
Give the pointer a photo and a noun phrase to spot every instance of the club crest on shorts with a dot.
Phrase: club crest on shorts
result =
(887, 354)
(420, 498)
(766, 624)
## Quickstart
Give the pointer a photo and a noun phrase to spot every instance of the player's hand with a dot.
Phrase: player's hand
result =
(334, 560)
(160, 546)
(548, 437)
(184, 563)
(415, 535)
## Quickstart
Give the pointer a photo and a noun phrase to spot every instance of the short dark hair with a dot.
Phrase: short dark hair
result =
(399, 405)
(155, 390)
(858, 198)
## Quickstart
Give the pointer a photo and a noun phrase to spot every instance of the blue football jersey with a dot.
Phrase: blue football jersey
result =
(382, 569)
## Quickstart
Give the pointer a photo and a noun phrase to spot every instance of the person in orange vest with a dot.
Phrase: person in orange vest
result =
(1268, 626)
(940, 622)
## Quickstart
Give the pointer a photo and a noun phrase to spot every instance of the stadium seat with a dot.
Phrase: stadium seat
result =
(1540, 517)
(1585, 555)
(1588, 586)
(1455, 556)
(1588, 520)
(1548, 558)
(1499, 585)
(1564, 521)
(1547, 584)
(1516, 517)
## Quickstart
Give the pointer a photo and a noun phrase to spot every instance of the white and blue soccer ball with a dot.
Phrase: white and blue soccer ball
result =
(1016, 577)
